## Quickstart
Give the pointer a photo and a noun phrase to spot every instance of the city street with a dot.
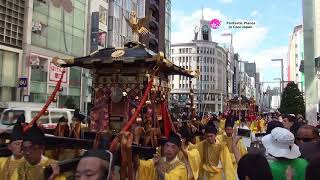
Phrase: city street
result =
(159, 89)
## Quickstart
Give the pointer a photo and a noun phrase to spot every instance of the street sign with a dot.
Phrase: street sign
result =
(23, 82)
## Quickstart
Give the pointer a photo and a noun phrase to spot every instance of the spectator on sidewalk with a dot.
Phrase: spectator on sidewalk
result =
(254, 167)
(280, 145)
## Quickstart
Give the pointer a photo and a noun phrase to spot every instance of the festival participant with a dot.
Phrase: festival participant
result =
(94, 165)
(222, 123)
(76, 126)
(190, 156)
(33, 166)
(280, 145)
(215, 158)
(227, 138)
(258, 125)
(9, 164)
(168, 167)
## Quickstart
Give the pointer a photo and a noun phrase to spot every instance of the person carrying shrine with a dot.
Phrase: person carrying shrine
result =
(216, 162)
(9, 164)
(33, 166)
(168, 167)
(228, 139)
(77, 121)
(191, 157)
(62, 129)
(258, 125)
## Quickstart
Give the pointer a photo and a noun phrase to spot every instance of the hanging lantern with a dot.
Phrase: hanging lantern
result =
(55, 99)
(46, 113)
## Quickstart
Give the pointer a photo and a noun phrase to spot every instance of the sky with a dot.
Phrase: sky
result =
(267, 39)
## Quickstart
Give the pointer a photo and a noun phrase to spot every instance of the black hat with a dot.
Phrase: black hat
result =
(35, 135)
(79, 116)
(63, 119)
(101, 154)
(229, 123)
(174, 139)
(273, 124)
(185, 133)
(21, 119)
(17, 133)
(211, 129)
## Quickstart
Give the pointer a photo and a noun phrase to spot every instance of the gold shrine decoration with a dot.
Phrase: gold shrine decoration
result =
(137, 25)
(58, 61)
(118, 53)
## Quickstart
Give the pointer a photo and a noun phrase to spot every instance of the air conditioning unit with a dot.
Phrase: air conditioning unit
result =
(34, 60)
(36, 26)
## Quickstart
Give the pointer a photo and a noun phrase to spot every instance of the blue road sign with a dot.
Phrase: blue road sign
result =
(23, 82)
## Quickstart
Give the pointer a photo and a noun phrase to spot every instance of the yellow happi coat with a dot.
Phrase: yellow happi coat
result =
(175, 170)
(192, 163)
(258, 126)
(215, 161)
(8, 166)
(228, 141)
(26, 171)
(222, 124)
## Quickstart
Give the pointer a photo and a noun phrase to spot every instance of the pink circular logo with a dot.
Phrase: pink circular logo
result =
(215, 23)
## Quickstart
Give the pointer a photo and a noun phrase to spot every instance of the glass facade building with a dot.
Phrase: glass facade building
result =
(57, 32)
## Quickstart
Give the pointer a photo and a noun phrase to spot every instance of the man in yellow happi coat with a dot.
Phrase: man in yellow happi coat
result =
(228, 137)
(33, 166)
(9, 164)
(215, 157)
(167, 168)
(258, 125)
(190, 156)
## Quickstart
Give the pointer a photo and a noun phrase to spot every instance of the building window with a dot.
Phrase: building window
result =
(38, 81)
(62, 35)
(8, 75)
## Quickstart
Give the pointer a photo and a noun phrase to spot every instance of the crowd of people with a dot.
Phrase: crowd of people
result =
(224, 147)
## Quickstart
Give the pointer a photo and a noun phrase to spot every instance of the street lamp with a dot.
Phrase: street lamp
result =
(280, 90)
(281, 70)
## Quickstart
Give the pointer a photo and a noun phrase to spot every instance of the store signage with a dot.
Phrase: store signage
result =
(55, 73)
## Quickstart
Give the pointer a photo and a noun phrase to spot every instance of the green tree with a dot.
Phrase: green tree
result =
(292, 101)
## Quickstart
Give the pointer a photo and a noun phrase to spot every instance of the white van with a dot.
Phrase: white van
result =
(9, 116)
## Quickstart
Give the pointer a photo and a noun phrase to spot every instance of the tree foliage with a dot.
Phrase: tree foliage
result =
(70, 103)
(292, 101)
